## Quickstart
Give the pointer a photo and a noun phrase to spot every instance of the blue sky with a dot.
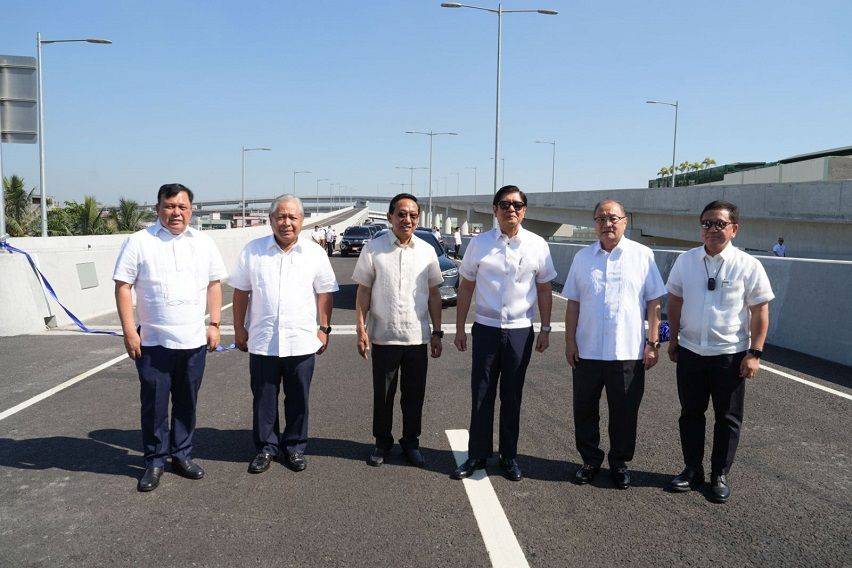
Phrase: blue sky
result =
(331, 86)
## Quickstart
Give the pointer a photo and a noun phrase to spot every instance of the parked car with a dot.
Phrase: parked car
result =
(353, 239)
(449, 266)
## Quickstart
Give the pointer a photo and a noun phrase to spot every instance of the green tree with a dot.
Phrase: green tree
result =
(19, 209)
(87, 218)
(708, 162)
(128, 216)
(683, 166)
(695, 166)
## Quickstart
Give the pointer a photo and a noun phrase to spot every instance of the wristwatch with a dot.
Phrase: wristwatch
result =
(756, 353)
(546, 328)
(325, 329)
(654, 344)
(439, 333)
(214, 323)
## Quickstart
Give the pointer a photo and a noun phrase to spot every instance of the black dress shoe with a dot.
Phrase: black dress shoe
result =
(511, 469)
(260, 463)
(378, 456)
(151, 479)
(586, 474)
(690, 478)
(296, 461)
(620, 477)
(719, 489)
(414, 457)
(187, 468)
(468, 468)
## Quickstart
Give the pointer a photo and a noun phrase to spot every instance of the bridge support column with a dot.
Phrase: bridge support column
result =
(448, 223)
(465, 224)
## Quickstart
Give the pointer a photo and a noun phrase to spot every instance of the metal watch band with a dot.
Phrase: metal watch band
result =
(546, 328)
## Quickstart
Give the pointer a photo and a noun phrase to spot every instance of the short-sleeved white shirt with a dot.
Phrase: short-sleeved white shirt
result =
(613, 290)
(318, 235)
(506, 271)
(400, 277)
(282, 319)
(170, 274)
(717, 322)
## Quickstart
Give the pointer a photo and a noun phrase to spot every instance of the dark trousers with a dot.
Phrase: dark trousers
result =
(699, 379)
(164, 372)
(624, 382)
(406, 365)
(329, 247)
(499, 356)
(268, 373)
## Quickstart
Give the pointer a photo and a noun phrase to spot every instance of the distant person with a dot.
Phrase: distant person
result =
(437, 233)
(330, 239)
(779, 249)
(287, 283)
(458, 241)
(398, 276)
(509, 269)
(613, 286)
(176, 272)
(718, 309)
(318, 236)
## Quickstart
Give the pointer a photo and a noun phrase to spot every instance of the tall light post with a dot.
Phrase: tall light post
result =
(41, 181)
(411, 169)
(243, 184)
(503, 170)
(431, 135)
(474, 176)
(499, 11)
(294, 178)
(553, 163)
(674, 144)
(318, 182)
(458, 181)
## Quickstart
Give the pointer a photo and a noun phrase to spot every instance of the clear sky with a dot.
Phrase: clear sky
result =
(331, 86)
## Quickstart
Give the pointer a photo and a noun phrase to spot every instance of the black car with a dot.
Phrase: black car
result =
(353, 239)
(449, 267)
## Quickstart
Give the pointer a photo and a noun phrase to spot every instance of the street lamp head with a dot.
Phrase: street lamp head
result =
(97, 40)
(653, 102)
(548, 12)
(450, 5)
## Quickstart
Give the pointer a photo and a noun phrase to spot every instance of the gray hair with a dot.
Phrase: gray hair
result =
(603, 202)
(284, 198)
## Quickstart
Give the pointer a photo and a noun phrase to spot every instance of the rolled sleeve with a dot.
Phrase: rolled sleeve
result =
(470, 263)
(546, 271)
(365, 271)
(675, 282)
(240, 276)
(127, 263)
(324, 280)
(654, 287)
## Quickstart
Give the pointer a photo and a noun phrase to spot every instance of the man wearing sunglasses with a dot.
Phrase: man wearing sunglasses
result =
(510, 269)
(718, 313)
(611, 286)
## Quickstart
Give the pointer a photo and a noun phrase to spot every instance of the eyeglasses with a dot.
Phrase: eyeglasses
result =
(611, 218)
(504, 204)
(719, 224)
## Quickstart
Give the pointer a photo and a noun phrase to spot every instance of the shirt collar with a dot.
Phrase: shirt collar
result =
(618, 247)
(395, 240)
(727, 253)
(501, 236)
(273, 245)
(158, 226)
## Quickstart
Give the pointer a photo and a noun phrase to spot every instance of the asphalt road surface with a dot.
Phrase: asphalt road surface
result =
(69, 465)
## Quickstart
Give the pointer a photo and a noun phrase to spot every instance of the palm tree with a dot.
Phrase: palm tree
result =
(128, 216)
(695, 166)
(683, 166)
(19, 209)
(87, 218)
(708, 161)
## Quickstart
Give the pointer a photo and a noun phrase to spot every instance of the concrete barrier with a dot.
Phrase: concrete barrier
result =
(811, 312)
(80, 270)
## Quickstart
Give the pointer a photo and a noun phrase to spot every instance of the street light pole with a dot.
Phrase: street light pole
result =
(458, 181)
(431, 135)
(318, 182)
(553, 163)
(41, 180)
(294, 178)
(499, 11)
(243, 183)
(674, 143)
(411, 180)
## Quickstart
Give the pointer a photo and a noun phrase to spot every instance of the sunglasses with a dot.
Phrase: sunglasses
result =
(504, 204)
(717, 224)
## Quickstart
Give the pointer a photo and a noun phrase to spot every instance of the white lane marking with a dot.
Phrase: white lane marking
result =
(500, 540)
(27, 403)
(847, 396)
(72, 381)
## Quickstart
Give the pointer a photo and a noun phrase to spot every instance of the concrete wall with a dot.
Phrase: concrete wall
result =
(23, 306)
(812, 306)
